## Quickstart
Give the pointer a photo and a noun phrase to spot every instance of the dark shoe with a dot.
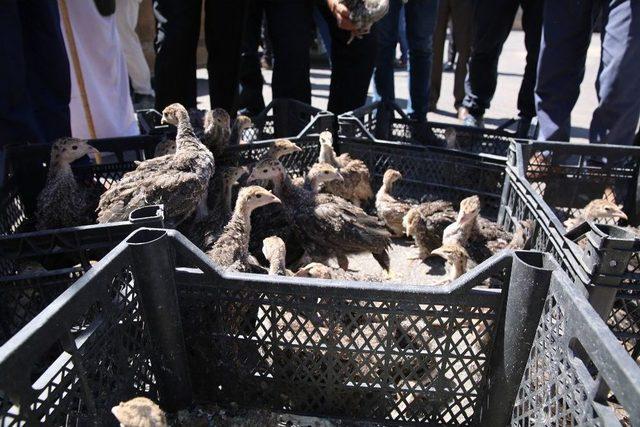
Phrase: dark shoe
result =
(400, 64)
(473, 121)
(448, 67)
(524, 125)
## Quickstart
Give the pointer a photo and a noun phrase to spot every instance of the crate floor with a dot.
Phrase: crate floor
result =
(404, 269)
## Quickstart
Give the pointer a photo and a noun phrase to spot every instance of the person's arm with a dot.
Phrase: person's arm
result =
(341, 13)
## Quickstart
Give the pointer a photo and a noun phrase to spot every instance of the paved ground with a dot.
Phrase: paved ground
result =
(504, 104)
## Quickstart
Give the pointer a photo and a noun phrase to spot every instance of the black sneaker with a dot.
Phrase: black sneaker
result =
(143, 102)
(524, 126)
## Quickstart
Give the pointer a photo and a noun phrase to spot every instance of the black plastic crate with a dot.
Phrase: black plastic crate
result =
(603, 257)
(386, 121)
(172, 327)
(282, 118)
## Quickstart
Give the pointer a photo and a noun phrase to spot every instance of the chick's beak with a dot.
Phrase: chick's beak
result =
(297, 149)
(620, 214)
(163, 121)
(252, 177)
(275, 199)
(438, 252)
(93, 150)
(340, 178)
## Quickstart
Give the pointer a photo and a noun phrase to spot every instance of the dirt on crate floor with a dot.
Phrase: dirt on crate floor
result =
(404, 269)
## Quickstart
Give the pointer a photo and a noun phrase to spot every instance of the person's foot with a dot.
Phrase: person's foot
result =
(143, 102)
(400, 64)
(473, 121)
(524, 124)
(448, 67)
(433, 107)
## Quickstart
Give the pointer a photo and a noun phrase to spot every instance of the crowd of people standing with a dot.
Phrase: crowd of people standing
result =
(76, 65)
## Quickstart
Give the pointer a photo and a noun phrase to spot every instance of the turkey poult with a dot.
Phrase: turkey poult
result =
(426, 224)
(318, 270)
(365, 13)
(231, 250)
(389, 209)
(275, 252)
(479, 236)
(178, 181)
(455, 257)
(330, 224)
(217, 130)
(595, 210)
(240, 124)
(521, 235)
(139, 412)
(356, 184)
(63, 202)
(281, 147)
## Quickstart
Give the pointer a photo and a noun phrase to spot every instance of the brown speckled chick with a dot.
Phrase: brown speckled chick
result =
(330, 224)
(139, 412)
(389, 209)
(231, 250)
(479, 236)
(275, 252)
(426, 224)
(281, 147)
(178, 181)
(63, 202)
(356, 184)
(217, 130)
(598, 209)
(455, 257)
(240, 124)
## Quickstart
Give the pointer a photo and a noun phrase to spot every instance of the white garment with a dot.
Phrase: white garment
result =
(127, 19)
(104, 71)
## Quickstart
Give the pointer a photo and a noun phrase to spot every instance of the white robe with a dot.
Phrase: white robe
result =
(104, 71)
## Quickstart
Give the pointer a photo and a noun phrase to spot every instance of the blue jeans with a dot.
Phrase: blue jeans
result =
(421, 19)
(566, 36)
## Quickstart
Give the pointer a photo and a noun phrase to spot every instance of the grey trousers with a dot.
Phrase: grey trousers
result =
(568, 25)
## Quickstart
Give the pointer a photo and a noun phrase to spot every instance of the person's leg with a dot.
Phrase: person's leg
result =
(351, 65)
(251, 80)
(224, 26)
(177, 33)
(439, 36)
(47, 68)
(615, 119)
(493, 21)
(566, 35)
(402, 36)
(462, 23)
(323, 30)
(532, 11)
(387, 31)
(421, 21)
(137, 67)
(289, 29)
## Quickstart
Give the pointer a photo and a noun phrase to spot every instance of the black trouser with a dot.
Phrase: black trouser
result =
(492, 25)
(178, 30)
(351, 65)
(35, 86)
(288, 23)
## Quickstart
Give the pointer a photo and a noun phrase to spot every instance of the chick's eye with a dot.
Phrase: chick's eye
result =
(75, 147)
(326, 172)
(258, 196)
(265, 170)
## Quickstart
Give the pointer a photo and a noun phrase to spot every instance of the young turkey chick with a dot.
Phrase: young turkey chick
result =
(240, 124)
(281, 147)
(479, 236)
(164, 147)
(330, 225)
(63, 202)
(217, 130)
(364, 13)
(597, 209)
(521, 235)
(139, 412)
(321, 271)
(275, 252)
(455, 257)
(389, 209)
(203, 232)
(426, 224)
(178, 181)
(356, 184)
(231, 250)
